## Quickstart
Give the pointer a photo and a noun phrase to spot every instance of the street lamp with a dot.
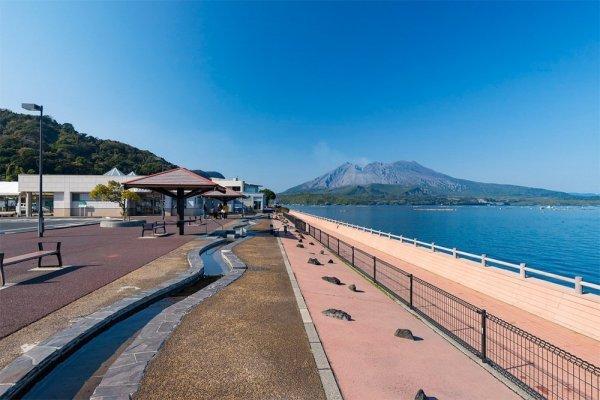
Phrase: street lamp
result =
(35, 107)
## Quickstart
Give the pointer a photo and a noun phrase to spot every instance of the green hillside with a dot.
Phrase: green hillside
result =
(397, 194)
(66, 151)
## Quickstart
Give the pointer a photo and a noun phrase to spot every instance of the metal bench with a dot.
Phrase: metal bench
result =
(155, 227)
(41, 253)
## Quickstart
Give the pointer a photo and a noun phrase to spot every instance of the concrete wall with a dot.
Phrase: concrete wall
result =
(561, 305)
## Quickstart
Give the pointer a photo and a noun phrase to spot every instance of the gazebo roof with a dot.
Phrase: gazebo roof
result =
(229, 194)
(178, 178)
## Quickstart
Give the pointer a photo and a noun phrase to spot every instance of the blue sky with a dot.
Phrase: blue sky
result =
(279, 93)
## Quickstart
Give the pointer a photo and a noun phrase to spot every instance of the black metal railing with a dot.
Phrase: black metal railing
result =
(539, 368)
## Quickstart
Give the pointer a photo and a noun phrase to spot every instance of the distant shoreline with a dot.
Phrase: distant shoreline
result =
(292, 200)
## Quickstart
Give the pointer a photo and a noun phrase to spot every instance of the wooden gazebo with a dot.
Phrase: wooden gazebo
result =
(179, 184)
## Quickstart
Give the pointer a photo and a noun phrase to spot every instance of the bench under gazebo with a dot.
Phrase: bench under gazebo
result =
(224, 197)
(179, 184)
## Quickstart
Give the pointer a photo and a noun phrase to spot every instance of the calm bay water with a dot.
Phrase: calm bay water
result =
(562, 240)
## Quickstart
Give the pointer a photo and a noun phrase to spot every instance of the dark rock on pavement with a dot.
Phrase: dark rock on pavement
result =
(332, 279)
(330, 261)
(404, 334)
(314, 261)
(339, 314)
(421, 395)
(300, 245)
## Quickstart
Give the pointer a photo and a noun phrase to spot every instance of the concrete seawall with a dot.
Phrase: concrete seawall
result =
(554, 303)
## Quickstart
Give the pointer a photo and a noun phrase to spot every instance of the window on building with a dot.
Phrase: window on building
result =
(80, 196)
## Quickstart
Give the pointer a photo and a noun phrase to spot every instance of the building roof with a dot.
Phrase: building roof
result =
(229, 194)
(9, 188)
(178, 178)
(114, 172)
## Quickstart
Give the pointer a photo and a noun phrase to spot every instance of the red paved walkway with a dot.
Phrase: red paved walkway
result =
(573, 342)
(369, 362)
(99, 256)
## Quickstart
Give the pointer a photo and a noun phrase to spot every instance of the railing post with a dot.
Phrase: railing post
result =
(483, 259)
(410, 292)
(353, 256)
(483, 336)
(401, 239)
(416, 244)
(578, 285)
(433, 246)
(522, 272)
(454, 254)
(375, 269)
(338, 246)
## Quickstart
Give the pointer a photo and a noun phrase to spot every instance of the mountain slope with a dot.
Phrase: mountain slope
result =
(66, 151)
(410, 182)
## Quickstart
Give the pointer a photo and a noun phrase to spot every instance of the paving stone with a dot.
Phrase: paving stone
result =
(39, 353)
(320, 357)
(16, 370)
(145, 356)
(311, 332)
(104, 391)
(4, 388)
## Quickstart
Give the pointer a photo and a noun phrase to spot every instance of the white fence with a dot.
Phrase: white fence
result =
(522, 269)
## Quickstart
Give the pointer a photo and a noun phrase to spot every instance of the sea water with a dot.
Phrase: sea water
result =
(561, 240)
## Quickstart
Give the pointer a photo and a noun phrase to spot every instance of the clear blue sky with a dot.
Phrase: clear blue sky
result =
(279, 93)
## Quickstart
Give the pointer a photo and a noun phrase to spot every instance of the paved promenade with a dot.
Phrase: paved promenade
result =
(97, 256)
(368, 361)
(160, 270)
(246, 342)
(573, 342)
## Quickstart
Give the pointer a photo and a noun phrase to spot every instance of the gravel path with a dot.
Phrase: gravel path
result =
(246, 342)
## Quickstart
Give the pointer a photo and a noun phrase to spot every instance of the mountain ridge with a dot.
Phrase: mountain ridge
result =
(411, 182)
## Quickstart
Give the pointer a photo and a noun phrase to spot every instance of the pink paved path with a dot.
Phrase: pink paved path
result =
(573, 342)
(368, 360)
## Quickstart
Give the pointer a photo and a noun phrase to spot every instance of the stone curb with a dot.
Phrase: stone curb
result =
(124, 376)
(25, 369)
(330, 385)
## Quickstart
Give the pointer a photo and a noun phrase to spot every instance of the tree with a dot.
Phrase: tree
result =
(113, 191)
(269, 195)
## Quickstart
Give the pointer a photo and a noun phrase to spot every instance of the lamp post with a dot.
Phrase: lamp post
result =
(35, 107)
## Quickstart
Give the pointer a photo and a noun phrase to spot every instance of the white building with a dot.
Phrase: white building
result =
(68, 195)
(9, 193)
(254, 199)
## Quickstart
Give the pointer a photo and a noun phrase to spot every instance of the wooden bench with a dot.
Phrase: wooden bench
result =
(155, 227)
(41, 253)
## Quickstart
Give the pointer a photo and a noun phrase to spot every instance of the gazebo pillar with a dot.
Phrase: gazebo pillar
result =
(180, 210)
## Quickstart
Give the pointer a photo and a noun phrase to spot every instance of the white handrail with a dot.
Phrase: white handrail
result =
(483, 259)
